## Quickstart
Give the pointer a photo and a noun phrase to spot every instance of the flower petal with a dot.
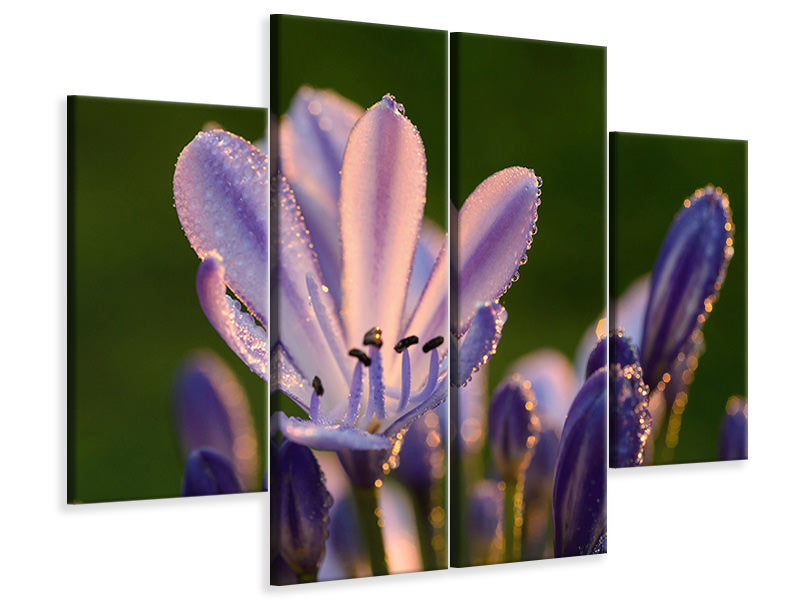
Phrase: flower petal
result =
(298, 317)
(496, 225)
(554, 384)
(239, 329)
(302, 503)
(480, 342)
(629, 309)
(438, 396)
(330, 437)
(630, 420)
(211, 411)
(429, 319)
(382, 201)
(429, 246)
(579, 490)
(221, 187)
(286, 377)
(686, 280)
(207, 473)
(312, 139)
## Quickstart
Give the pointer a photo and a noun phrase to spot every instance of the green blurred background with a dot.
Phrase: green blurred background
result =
(651, 176)
(540, 105)
(362, 62)
(133, 312)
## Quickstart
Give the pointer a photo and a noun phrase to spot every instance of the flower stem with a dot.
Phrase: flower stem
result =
(512, 520)
(425, 532)
(369, 517)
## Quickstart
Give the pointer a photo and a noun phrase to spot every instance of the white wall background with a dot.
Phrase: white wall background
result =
(728, 531)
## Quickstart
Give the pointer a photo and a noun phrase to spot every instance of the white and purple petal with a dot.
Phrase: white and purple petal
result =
(381, 203)
(306, 321)
(312, 138)
(238, 328)
(496, 225)
(480, 342)
(221, 187)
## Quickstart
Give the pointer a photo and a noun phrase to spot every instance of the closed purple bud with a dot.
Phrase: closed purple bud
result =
(579, 490)
(485, 517)
(539, 474)
(303, 504)
(597, 357)
(207, 473)
(733, 433)
(630, 420)
(513, 426)
(688, 275)
(211, 411)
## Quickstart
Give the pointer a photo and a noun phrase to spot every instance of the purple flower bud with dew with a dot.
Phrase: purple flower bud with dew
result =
(513, 426)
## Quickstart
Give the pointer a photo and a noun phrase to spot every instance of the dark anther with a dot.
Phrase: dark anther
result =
(317, 385)
(433, 343)
(406, 342)
(373, 337)
(360, 356)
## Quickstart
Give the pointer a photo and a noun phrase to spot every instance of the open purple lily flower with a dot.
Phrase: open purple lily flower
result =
(362, 300)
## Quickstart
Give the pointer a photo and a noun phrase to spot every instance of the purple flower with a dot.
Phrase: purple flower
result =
(208, 472)
(733, 432)
(686, 280)
(513, 426)
(362, 284)
(663, 314)
(630, 419)
(211, 411)
(579, 490)
(300, 509)
(220, 187)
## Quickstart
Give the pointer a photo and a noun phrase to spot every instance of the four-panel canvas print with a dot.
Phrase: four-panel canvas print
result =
(405, 304)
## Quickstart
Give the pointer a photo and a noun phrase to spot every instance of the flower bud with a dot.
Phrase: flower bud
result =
(208, 472)
(513, 426)
(302, 503)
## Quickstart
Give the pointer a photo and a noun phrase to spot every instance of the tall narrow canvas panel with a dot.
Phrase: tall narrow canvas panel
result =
(528, 433)
(678, 257)
(359, 300)
(159, 404)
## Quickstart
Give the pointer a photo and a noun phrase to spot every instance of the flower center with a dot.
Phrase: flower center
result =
(375, 412)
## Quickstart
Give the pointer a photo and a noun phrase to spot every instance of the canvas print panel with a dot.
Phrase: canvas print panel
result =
(678, 279)
(359, 272)
(159, 405)
(528, 433)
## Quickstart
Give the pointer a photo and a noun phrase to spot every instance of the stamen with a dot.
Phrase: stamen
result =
(406, 342)
(316, 383)
(360, 356)
(376, 404)
(405, 382)
(433, 373)
(354, 400)
(433, 343)
(374, 337)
